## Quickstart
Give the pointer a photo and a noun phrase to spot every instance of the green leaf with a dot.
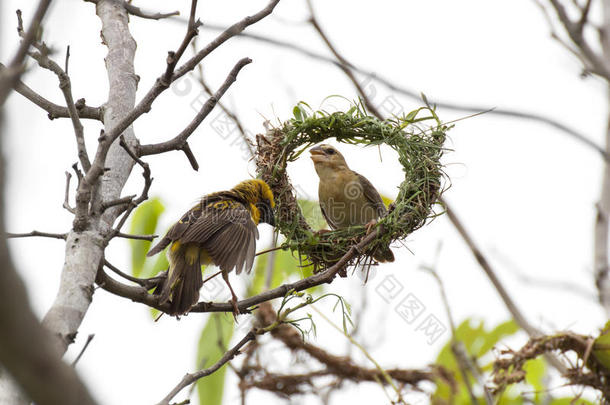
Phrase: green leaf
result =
(535, 371)
(601, 347)
(214, 341)
(144, 222)
(284, 266)
(312, 213)
(495, 335)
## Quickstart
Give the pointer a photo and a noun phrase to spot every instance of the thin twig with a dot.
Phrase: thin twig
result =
(66, 203)
(147, 283)
(10, 76)
(343, 65)
(178, 142)
(149, 238)
(370, 75)
(89, 339)
(66, 88)
(190, 378)
(140, 295)
(36, 233)
(138, 12)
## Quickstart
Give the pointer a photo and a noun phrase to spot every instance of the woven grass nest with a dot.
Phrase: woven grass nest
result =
(418, 139)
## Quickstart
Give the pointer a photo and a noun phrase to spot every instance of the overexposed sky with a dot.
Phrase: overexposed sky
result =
(525, 191)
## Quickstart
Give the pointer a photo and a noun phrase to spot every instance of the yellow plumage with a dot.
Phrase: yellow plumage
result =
(221, 230)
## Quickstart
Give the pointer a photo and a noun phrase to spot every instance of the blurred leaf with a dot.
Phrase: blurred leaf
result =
(478, 341)
(535, 371)
(215, 339)
(570, 401)
(313, 214)
(499, 332)
(284, 266)
(601, 347)
(144, 222)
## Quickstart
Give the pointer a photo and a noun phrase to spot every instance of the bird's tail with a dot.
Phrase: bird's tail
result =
(383, 254)
(184, 280)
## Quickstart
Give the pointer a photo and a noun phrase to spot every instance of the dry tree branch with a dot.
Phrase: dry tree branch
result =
(54, 110)
(511, 306)
(370, 75)
(508, 369)
(141, 295)
(66, 88)
(179, 141)
(10, 76)
(138, 12)
(190, 378)
(342, 61)
(575, 30)
(37, 233)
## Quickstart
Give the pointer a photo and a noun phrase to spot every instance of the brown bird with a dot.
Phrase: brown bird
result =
(221, 230)
(346, 197)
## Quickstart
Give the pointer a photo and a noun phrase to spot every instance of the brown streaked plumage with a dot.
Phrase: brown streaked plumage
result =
(221, 230)
(346, 197)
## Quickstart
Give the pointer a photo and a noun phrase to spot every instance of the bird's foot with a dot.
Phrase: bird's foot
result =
(236, 310)
(370, 225)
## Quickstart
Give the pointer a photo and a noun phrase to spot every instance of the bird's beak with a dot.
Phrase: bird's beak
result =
(317, 154)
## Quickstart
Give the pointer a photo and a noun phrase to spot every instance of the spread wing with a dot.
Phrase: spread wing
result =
(372, 195)
(226, 232)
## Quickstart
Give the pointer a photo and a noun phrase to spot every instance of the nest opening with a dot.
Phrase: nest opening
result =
(417, 138)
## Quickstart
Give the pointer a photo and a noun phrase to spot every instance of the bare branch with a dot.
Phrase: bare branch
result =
(370, 75)
(10, 76)
(575, 31)
(343, 65)
(36, 233)
(138, 12)
(191, 32)
(190, 378)
(190, 156)
(119, 201)
(491, 274)
(55, 110)
(224, 109)
(149, 238)
(178, 142)
(147, 283)
(66, 87)
(66, 204)
(89, 339)
(140, 295)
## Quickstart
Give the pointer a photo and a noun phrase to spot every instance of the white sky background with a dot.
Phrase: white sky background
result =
(525, 191)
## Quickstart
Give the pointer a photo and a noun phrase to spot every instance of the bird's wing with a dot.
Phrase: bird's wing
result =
(372, 195)
(328, 220)
(228, 234)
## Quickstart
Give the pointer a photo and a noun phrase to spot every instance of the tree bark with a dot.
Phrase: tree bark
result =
(85, 250)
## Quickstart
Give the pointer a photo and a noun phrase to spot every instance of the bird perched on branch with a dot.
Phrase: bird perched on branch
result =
(221, 230)
(346, 197)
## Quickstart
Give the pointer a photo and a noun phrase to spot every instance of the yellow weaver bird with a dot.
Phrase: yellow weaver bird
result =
(346, 197)
(221, 230)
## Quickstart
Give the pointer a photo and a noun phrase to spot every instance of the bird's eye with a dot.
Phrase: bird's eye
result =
(330, 151)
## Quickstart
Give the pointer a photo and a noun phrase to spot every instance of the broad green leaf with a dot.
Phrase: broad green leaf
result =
(214, 341)
(535, 370)
(144, 222)
(499, 332)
